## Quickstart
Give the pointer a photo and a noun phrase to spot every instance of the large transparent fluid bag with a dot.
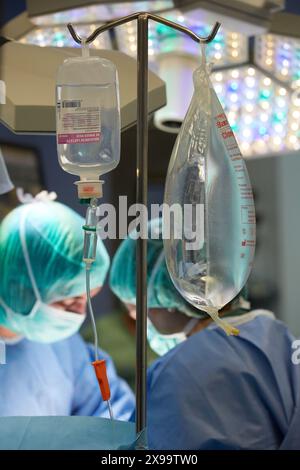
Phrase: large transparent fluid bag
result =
(208, 182)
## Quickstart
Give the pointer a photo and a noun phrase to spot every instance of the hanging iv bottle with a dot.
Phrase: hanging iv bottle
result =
(88, 120)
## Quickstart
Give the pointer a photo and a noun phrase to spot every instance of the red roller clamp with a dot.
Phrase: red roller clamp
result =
(101, 374)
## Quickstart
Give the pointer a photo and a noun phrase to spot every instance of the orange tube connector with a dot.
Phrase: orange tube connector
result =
(101, 374)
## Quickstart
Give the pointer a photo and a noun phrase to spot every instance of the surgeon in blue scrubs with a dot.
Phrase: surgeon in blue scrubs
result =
(48, 367)
(208, 390)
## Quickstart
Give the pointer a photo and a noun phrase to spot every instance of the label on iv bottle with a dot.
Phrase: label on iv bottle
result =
(78, 122)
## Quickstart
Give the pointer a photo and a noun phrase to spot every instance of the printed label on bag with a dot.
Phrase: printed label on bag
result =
(77, 122)
(248, 221)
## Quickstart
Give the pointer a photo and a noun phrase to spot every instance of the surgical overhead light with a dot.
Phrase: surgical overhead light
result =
(227, 47)
(279, 55)
(29, 74)
(58, 36)
(247, 16)
(83, 11)
(174, 56)
(23, 30)
(263, 113)
(273, 55)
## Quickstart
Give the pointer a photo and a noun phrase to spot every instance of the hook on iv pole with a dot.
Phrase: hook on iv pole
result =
(150, 16)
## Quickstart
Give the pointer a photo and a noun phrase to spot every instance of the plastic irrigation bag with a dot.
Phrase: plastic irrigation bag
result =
(209, 233)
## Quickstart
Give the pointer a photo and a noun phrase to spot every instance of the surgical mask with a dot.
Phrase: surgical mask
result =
(5, 182)
(161, 343)
(44, 323)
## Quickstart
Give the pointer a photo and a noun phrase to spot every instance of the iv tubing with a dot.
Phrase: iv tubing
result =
(99, 365)
(90, 307)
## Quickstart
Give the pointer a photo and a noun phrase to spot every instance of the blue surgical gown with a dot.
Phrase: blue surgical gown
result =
(219, 392)
(58, 379)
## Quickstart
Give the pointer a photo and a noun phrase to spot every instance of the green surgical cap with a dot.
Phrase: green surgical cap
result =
(54, 238)
(161, 291)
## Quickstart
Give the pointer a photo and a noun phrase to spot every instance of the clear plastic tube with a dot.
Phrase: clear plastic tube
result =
(90, 308)
(89, 256)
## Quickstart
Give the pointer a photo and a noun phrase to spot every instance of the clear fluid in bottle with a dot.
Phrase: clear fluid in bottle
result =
(94, 158)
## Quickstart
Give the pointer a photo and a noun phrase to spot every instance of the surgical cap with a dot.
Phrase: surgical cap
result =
(161, 290)
(54, 239)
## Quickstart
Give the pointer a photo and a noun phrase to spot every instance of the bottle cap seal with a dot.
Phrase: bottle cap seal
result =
(89, 189)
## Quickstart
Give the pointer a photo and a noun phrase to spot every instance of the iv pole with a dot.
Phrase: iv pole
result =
(142, 181)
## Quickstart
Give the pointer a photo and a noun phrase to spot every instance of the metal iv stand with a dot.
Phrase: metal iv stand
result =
(142, 182)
